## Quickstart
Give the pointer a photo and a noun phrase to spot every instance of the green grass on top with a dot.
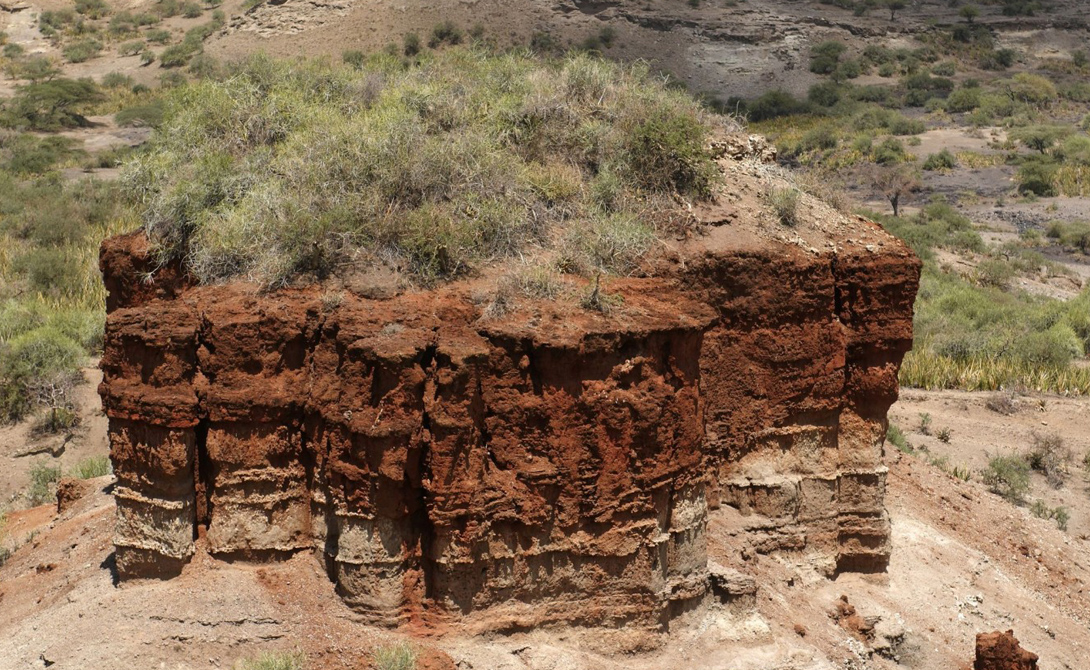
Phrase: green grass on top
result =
(276, 169)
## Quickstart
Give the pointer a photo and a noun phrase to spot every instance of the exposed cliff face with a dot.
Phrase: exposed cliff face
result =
(551, 466)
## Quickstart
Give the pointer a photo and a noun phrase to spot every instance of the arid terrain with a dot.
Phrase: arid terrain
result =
(968, 553)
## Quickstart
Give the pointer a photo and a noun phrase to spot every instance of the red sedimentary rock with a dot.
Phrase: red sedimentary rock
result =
(1001, 651)
(550, 466)
(69, 491)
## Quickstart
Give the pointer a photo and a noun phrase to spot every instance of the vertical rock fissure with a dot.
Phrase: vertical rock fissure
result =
(420, 520)
(202, 476)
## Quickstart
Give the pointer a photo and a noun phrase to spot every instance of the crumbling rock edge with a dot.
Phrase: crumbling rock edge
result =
(551, 467)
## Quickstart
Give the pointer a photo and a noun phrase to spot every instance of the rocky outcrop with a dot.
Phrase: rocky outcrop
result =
(1001, 651)
(552, 466)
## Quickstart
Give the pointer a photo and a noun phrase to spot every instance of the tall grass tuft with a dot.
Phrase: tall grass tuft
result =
(397, 656)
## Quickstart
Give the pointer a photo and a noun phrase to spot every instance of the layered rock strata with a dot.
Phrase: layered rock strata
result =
(554, 466)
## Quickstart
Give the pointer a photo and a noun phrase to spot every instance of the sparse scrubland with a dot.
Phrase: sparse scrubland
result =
(978, 329)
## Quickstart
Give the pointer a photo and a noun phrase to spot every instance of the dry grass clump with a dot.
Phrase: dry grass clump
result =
(286, 168)
(397, 656)
(274, 661)
(1004, 402)
(1051, 457)
(785, 204)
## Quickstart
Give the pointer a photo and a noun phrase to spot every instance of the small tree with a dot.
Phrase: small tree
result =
(1039, 138)
(969, 13)
(38, 368)
(54, 392)
(894, 183)
(51, 104)
(894, 6)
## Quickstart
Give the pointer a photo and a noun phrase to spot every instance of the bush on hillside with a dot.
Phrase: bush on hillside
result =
(943, 160)
(1007, 476)
(39, 367)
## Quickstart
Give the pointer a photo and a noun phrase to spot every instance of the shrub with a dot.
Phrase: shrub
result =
(117, 80)
(666, 153)
(994, 272)
(1030, 88)
(439, 171)
(613, 244)
(204, 66)
(130, 48)
(191, 10)
(945, 69)
(785, 204)
(445, 33)
(49, 270)
(411, 44)
(944, 160)
(397, 656)
(1038, 178)
(774, 104)
(353, 57)
(83, 50)
(43, 484)
(178, 54)
(1058, 514)
(849, 69)
(38, 368)
(890, 152)
(1039, 138)
(50, 105)
(93, 466)
(1007, 476)
(963, 100)
(902, 125)
(825, 94)
(92, 9)
(158, 36)
(25, 154)
(924, 426)
(825, 56)
(896, 437)
(5, 551)
(1049, 456)
(50, 22)
(123, 23)
(1075, 235)
(1079, 92)
(821, 138)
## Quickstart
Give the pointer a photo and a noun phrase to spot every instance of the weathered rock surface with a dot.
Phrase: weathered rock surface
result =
(1001, 651)
(552, 466)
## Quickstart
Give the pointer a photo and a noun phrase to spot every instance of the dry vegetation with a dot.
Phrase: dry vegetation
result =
(975, 330)
(431, 165)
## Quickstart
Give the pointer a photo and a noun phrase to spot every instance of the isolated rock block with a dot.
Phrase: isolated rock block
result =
(556, 466)
(1001, 651)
